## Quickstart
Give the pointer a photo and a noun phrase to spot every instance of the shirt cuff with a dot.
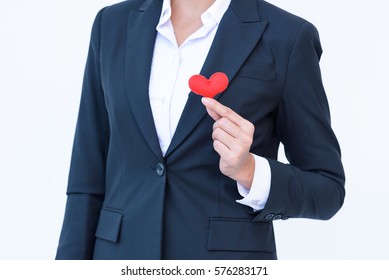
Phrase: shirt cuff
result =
(256, 197)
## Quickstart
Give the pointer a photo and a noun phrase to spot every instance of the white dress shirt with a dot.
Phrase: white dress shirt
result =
(171, 69)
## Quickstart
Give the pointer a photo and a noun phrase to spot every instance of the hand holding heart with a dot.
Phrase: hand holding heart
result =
(232, 135)
(232, 138)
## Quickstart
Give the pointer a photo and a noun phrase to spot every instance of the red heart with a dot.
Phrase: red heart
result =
(200, 85)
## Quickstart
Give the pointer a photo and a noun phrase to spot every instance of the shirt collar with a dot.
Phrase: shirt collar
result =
(214, 13)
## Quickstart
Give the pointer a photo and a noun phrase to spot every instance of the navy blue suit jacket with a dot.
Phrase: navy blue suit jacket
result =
(127, 201)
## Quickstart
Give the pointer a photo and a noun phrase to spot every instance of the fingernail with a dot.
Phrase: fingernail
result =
(206, 101)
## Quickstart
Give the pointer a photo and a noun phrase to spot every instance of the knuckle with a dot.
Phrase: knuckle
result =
(247, 139)
(223, 122)
(217, 132)
(249, 126)
(216, 144)
(227, 111)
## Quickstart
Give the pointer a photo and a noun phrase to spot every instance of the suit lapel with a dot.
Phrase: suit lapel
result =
(238, 33)
(141, 36)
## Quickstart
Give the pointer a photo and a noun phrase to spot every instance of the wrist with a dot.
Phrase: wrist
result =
(246, 174)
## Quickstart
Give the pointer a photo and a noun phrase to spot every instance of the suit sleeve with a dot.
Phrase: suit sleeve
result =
(86, 185)
(312, 185)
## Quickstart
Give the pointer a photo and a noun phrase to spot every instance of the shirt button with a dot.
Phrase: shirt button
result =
(160, 169)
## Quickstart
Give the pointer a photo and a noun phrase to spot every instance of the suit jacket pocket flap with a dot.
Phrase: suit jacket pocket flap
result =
(109, 225)
(240, 235)
(257, 73)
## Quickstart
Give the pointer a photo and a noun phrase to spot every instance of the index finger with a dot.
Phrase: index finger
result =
(221, 110)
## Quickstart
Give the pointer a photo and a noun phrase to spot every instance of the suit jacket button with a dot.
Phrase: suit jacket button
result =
(269, 217)
(160, 169)
(277, 217)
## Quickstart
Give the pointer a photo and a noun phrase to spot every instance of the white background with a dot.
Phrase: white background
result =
(43, 47)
